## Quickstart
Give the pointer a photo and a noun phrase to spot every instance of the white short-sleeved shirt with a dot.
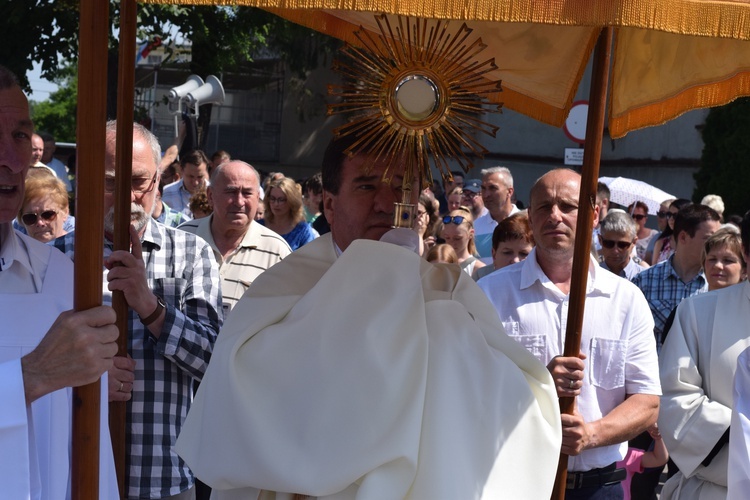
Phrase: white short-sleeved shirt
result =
(617, 338)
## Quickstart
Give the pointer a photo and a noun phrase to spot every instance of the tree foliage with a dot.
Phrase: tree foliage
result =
(725, 163)
(57, 115)
(222, 38)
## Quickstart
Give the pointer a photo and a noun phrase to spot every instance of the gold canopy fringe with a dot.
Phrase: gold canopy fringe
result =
(727, 19)
(333, 25)
(700, 96)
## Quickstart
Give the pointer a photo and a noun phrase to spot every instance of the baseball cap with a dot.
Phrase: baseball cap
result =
(473, 185)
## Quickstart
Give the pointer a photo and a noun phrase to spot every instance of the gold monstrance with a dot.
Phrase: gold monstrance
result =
(415, 92)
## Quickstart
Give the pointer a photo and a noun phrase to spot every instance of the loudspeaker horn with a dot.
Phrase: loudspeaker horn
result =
(211, 92)
(177, 93)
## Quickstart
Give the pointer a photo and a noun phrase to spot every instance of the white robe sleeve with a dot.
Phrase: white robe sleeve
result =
(739, 437)
(691, 422)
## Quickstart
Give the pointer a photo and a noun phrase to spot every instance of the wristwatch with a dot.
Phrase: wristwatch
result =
(160, 306)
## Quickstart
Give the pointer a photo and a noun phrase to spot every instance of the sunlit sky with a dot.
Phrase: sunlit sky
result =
(40, 88)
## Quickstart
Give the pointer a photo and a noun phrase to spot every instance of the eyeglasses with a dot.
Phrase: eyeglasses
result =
(639, 217)
(670, 215)
(457, 219)
(469, 194)
(138, 185)
(273, 199)
(662, 214)
(30, 218)
(610, 244)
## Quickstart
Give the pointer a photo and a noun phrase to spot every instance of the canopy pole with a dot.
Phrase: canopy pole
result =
(121, 237)
(586, 203)
(92, 116)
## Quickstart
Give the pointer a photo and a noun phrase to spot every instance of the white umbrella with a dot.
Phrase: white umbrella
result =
(625, 191)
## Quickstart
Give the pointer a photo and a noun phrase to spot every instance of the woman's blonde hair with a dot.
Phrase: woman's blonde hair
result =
(293, 199)
(41, 184)
(467, 223)
(725, 237)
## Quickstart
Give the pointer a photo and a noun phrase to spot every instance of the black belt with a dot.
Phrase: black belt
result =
(595, 478)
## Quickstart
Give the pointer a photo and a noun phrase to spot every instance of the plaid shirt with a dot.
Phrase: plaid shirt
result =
(182, 270)
(664, 290)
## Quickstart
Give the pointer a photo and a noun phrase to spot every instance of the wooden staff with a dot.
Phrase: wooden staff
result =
(586, 202)
(123, 169)
(92, 116)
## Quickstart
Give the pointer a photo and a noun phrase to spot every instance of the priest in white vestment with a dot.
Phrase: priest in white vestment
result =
(739, 439)
(697, 366)
(41, 350)
(355, 369)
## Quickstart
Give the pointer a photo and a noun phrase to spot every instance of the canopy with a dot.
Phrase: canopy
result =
(670, 56)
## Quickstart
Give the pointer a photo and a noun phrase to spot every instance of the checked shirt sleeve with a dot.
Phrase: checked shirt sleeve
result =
(193, 297)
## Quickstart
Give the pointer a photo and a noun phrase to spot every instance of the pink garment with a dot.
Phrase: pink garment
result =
(632, 464)
(666, 250)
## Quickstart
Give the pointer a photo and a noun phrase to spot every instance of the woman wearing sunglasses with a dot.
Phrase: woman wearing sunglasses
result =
(458, 231)
(45, 207)
(664, 246)
(639, 212)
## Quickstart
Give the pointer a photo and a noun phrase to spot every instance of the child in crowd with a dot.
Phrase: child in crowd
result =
(637, 460)
(442, 253)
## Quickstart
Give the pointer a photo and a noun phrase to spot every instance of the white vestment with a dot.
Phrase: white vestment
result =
(697, 365)
(376, 375)
(35, 440)
(739, 439)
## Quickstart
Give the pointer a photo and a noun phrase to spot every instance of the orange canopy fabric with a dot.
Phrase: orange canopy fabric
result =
(670, 56)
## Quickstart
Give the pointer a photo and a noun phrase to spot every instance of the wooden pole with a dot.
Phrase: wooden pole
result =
(586, 202)
(92, 116)
(123, 169)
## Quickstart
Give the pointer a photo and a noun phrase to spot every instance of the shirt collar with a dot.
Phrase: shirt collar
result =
(10, 249)
(531, 273)
(13, 249)
(672, 273)
(151, 236)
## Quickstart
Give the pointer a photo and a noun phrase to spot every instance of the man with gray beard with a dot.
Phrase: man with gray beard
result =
(170, 281)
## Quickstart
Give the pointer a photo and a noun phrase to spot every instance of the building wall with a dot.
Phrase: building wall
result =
(286, 128)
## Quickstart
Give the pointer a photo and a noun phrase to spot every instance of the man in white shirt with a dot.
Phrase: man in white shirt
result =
(43, 350)
(497, 196)
(616, 377)
(194, 178)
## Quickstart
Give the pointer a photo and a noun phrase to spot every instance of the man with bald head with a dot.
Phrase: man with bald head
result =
(243, 248)
(616, 376)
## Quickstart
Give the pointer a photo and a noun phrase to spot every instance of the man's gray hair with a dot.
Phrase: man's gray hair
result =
(504, 172)
(714, 201)
(145, 134)
(620, 223)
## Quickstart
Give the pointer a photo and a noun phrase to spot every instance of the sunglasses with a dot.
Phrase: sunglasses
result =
(661, 214)
(639, 217)
(669, 215)
(610, 244)
(457, 220)
(30, 218)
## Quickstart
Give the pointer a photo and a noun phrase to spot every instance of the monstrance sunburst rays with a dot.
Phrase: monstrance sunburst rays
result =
(416, 92)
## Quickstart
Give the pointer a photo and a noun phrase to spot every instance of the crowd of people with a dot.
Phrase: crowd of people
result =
(284, 341)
